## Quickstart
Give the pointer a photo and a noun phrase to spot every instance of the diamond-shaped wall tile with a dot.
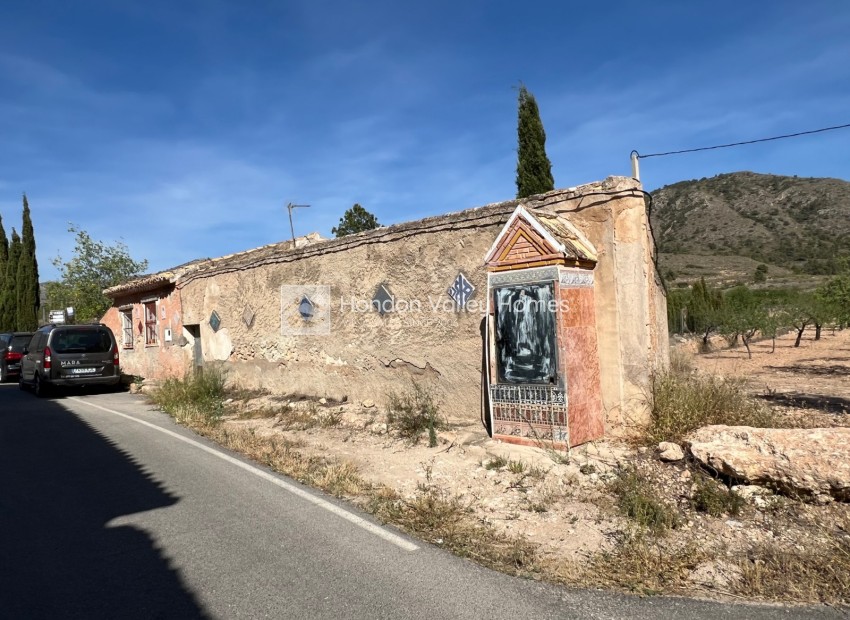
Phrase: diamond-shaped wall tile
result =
(248, 316)
(382, 300)
(461, 290)
(306, 308)
(215, 321)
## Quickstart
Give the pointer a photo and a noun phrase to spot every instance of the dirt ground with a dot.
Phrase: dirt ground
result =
(563, 502)
(810, 382)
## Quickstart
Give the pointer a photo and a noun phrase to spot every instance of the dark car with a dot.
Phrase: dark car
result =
(70, 355)
(11, 346)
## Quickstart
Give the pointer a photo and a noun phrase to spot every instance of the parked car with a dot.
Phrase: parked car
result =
(69, 355)
(11, 346)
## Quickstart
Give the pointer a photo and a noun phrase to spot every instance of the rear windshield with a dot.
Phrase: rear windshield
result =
(19, 342)
(81, 341)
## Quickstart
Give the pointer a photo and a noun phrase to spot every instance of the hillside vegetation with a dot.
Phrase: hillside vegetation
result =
(794, 225)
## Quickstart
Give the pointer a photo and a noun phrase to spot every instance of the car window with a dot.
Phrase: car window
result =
(81, 341)
(37, 343)
(19, 342)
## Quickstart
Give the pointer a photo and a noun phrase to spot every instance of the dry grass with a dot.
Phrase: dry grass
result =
(818, 572)
(715, 499)
(438, 517)
(414, 411)
(642, 565)
(814, 575)
(681, 404)
(198, 398)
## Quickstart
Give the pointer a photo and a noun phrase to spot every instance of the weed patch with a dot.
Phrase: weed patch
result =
(438, 517)
(818, 572)
(414, 411)
(637, 500)
(641, 565)
(715, 499)
(683, 404)
(197, 398)
(497, 462)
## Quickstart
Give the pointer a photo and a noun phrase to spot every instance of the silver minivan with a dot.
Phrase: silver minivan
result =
(69, 355)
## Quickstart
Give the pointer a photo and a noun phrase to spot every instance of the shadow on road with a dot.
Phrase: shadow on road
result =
(61, 482)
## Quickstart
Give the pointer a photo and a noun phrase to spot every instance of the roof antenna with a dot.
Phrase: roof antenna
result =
(289, 208)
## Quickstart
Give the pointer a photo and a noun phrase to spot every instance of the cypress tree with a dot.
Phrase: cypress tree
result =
(4, 260)
(533, 168)
(9, 320)
(28, 301)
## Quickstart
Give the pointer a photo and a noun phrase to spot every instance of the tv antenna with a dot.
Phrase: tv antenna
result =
(290, 207)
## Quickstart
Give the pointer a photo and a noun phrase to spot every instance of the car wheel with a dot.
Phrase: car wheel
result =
(38, 388)
(4, 374)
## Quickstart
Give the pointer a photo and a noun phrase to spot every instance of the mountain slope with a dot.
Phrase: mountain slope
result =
(801, 224)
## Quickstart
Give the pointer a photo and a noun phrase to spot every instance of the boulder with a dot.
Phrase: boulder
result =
(669, 452)
(811, 463)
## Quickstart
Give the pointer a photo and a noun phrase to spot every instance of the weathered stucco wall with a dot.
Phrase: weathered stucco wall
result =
(366, 355)
(164, 359)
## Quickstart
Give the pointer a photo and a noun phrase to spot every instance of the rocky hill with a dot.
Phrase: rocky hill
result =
(795, 225)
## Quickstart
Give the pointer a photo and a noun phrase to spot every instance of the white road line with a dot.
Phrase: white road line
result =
(318, 501)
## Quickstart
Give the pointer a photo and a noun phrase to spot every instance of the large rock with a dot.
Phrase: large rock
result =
(811, 462)
(670, 452)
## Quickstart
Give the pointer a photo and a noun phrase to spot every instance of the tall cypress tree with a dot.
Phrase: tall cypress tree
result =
(28, 301)
(533, 168)
(4, 260)
(9, 320)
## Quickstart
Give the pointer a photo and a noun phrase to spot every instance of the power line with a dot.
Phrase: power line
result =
(725, 146)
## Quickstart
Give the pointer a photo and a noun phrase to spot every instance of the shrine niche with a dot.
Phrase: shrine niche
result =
(542, 359)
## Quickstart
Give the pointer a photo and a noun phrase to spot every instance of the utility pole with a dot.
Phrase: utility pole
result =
(290, 207)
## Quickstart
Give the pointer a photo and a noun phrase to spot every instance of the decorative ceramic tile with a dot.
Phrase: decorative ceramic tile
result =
(305, 310)
(248, 316)
(461, 290)
(383, 301)
(576, 279)
(523, 276)
(215, 321)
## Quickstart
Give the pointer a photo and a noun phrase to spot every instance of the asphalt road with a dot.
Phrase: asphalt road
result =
(110, 510)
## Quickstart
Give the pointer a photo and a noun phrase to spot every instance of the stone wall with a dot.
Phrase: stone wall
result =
(367, 355)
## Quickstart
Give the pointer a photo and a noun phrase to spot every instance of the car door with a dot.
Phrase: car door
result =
(28, 363)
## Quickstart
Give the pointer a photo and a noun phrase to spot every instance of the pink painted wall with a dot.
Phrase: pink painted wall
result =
(152, 361)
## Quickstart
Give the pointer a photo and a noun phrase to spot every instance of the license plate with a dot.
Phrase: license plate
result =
(83, 371)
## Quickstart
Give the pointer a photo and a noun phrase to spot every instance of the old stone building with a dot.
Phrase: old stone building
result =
(544, 317)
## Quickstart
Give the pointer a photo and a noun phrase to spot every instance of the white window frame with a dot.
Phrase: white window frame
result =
(127, 328)
(151, 324)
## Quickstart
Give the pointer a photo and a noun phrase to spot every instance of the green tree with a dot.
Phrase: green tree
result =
(743, 316)
(355, 220)
(94, 267)
(799, 311)
(533, 168)
(28, 300)
(836, 293)
(4, 260)
(705, 310)
(9, 320)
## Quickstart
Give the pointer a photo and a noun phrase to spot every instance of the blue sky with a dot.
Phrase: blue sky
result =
(182, 128)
